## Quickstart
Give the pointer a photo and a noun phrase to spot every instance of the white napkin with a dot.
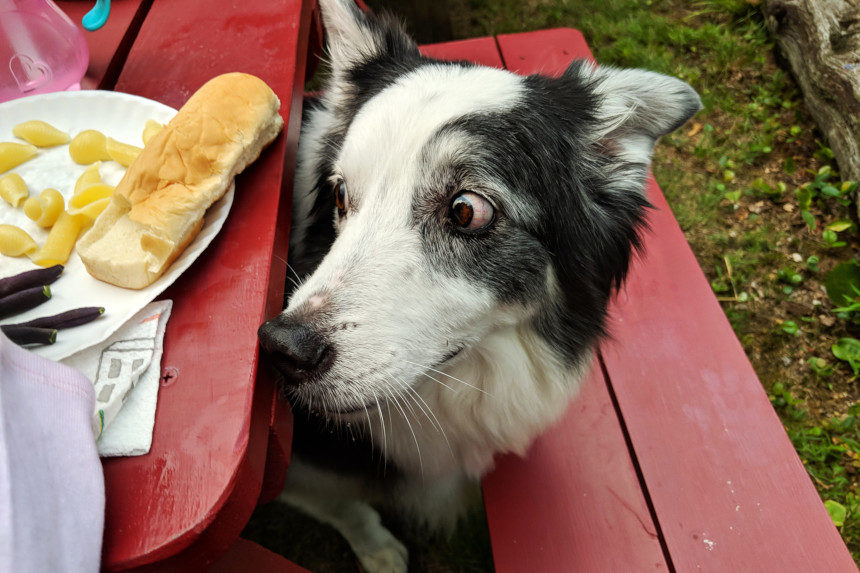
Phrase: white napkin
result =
(126, 371)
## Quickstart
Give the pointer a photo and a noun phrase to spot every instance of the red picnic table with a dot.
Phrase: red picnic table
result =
(671, 458)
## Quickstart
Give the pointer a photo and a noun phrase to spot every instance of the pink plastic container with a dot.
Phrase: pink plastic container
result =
(41, 50)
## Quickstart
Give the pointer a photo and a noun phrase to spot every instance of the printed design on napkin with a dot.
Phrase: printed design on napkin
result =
(126, 371)
(120, 367)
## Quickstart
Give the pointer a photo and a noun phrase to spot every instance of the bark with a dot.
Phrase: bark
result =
(821, 40)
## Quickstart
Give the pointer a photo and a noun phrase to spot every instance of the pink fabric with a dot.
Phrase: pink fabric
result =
(52, 497)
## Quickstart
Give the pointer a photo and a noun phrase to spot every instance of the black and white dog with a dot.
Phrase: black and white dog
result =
(458, 230)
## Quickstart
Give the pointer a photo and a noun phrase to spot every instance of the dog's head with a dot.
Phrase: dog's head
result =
(465, 200)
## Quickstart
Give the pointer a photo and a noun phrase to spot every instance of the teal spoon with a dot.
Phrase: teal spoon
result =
(96, 18)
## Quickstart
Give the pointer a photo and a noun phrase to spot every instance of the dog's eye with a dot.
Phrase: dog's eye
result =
(340, 197)
(471, 212)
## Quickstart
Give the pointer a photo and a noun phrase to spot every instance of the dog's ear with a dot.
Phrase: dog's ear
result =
(635, 107)
(354, 37)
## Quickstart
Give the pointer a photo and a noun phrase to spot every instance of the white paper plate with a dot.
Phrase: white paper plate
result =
(122, 117)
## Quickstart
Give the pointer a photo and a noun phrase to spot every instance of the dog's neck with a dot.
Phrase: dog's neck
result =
(494, 397)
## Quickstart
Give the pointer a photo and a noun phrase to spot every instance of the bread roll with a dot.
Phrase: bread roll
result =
(158, 206)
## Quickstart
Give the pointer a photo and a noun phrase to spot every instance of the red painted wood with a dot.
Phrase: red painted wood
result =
(279, 447)
(546, 52)
(478, 50)
(315, 42)
(199, 484)
(245, 556)
(574, 503)
(110, 44)
(728, 488)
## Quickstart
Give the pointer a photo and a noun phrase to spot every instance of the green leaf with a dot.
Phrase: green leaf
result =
(789, 276)
(804, 197)
(820, 367)
(837, 512)
(840, 225)
(842, 282)
(810, 220)
(848, 350)
(829, 236)
(789, 327)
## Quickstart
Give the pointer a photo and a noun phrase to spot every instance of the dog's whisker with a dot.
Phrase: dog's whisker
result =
(384, 442)
(438, 381)
(369, 425)
(410, 394)
(295, 283)
(417, 396)
(295, 274)
(449, 376)
(399, 387)
(411, 430)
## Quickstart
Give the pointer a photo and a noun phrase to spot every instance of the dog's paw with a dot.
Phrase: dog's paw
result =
(390, 556)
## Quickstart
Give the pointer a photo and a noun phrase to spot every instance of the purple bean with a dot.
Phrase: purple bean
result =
(29, 279)
(66, 319)
(24, 300)
(22, 335)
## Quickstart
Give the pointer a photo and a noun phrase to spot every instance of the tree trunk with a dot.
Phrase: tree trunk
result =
(821, 40)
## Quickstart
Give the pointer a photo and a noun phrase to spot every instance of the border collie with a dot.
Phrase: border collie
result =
(457, 233)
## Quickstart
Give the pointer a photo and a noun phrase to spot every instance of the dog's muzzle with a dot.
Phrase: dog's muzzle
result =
(297, 350)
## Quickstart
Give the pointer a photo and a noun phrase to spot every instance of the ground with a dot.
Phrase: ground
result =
(754, 187)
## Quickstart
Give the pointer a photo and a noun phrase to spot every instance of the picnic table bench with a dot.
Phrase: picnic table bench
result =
(671, 457)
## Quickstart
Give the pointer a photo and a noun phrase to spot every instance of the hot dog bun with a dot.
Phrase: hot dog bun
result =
(158, 206)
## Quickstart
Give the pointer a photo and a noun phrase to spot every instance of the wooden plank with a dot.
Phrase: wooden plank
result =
(246, 556)
(279, 446)
(581, 465)
(477, 50)
(546, 52)
(198, 485)
(574, 502)
(728, 488)
(110, 44)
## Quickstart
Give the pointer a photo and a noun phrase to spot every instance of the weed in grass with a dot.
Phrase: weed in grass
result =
(820, 366)
(831, 453)
(848, 350)
(790, 327)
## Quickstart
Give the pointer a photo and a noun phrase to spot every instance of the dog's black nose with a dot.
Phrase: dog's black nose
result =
(297, 350)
